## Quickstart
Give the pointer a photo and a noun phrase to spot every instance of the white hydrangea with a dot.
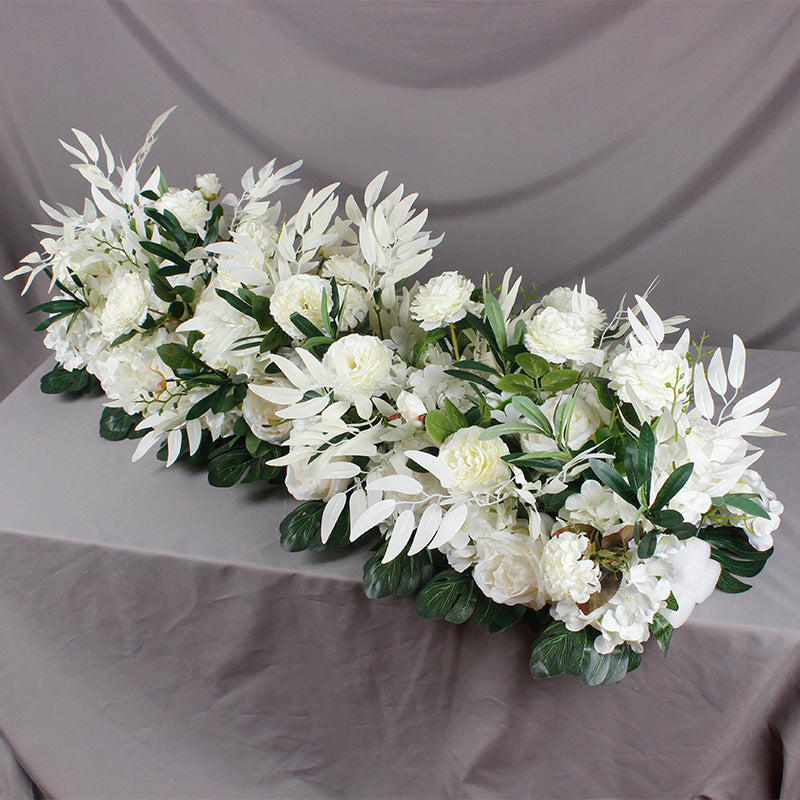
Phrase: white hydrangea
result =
(650, 379)
(125, 307)
(566, 574)
(598, 506)
(359, 365)
(759, 530)
(508, 568)
(578, 302)
(442, 300)
(475, 465)
(189, 207)
(302, 294)
(562, 336)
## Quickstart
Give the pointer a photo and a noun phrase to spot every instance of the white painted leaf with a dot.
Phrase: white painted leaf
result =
(370, 517)
(293, 373)
(427, 528)
(402, 484)
(87, 144)
(358, 504)
(279, 395)
(640, 331)
(173, 446)
(716, 374)
(754, 401)
(314, 367)
(340, 470)
(304, 410)
(737, 361)
(145, 444)
(373, 189)
(742, 426)
(399, 536)
(194, 432)
(654, 322)
(451, 525)
(702, 394)
(434, 465)
(330, 515)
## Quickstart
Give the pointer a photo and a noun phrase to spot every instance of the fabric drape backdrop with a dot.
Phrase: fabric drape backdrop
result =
(616, 140)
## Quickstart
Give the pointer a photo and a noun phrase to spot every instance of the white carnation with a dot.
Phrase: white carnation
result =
(567, 575)
(190, 209)
(561, 336)
(442, 300)
(650, 379)
(475, 464)
(208, 185)
(359, 365)
(508, 568)
(125, 308)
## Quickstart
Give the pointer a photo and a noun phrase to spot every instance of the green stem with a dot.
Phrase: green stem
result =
(455, 342)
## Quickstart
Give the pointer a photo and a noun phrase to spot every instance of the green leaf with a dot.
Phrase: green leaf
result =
(305, 327)
(647, 449)
(743, 502)
(472, 378)
(607, 475)
(517, 384)
(449, 595)
(558, 650)
(164, 252)
(496, 320)
(506, 428)
(559, 379)
(299, 529)
(439, 426)
(527, 408)
(430, 336)
(672, 603)
(180, 359)
(608, 668)
(58, 307)
(485, 331)
(662, 631)
(161, 286)
(647, 545)
(60, 380)
(666, 519)
(116, 424)
(454, 414)
(476, 365)
(496, 616)
(534, 366)
(402, 575)
(169, 225)
(227, 469)
(672, 485)
(736, 556)
(603, 392)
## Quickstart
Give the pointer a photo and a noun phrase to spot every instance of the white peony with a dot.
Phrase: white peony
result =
(125, 308)
(508, 568)
(650, 379)
(262, 419)
(475, 464)
(442, 300)
(566, 574)
(208, 185)
(359, 365)
(578, 302)
(561, 336)
(190, 209)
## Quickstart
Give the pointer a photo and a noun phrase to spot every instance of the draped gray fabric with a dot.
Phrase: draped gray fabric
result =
(156, 642)
(613, 140)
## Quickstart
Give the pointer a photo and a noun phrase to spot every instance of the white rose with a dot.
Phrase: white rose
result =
(508, 568)
(561, 336)
(475, 464)
(567, 575)
(208, 185)
(411, 408)
(125, 308)
(190, 208)
(346, 270)
(650, 379)
(360, 365)
(578, 302)
(442, 300)
(261, 416)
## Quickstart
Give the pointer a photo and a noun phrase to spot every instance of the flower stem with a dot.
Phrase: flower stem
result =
(455, 342)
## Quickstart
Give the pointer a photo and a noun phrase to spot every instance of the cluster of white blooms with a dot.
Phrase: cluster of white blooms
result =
(553, 458)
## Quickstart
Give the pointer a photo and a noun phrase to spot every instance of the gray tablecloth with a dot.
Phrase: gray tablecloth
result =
(156, 642)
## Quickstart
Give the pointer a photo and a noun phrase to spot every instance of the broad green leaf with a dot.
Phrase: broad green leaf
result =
(449, 595)
(558, 650)
(668, 519)
(647, 544)
(603, 392)
(180, 358)
(529, 409)
(647, 449)
(608, 668)
(164, 252)
(662, 631)
(439, 426)
(494, 315)
(403, 575)
(116, 424)
(743, 502)
(229, 468)
(517, 384)
(60, 380)
(533, 365)
(559, 379)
